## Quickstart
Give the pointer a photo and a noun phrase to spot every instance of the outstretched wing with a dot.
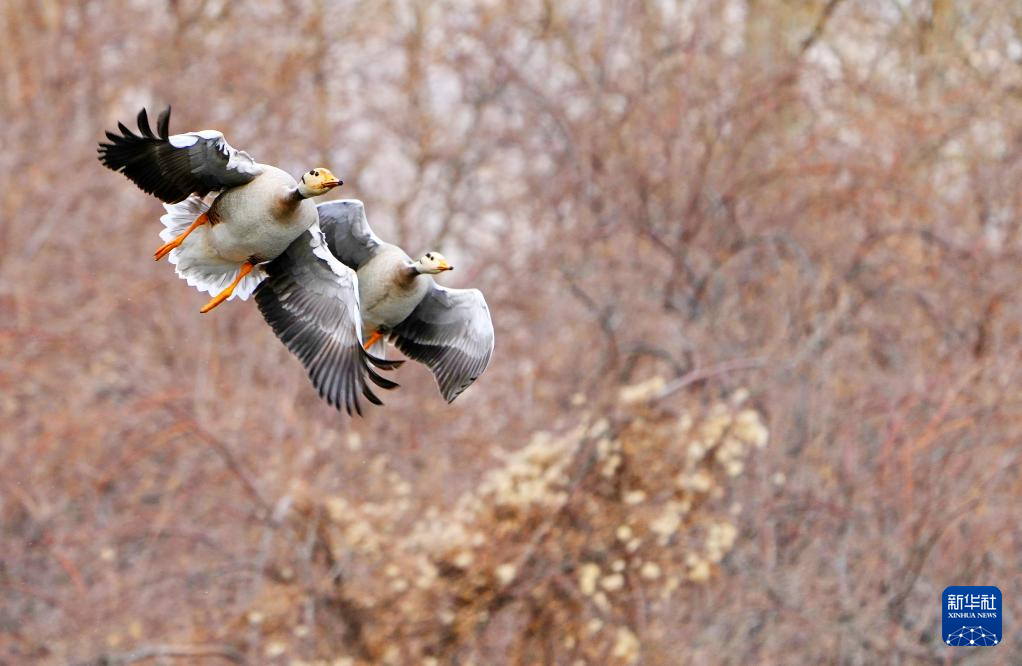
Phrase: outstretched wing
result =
(311, 302)
(451, 333)
(347, 232)
(173, 167)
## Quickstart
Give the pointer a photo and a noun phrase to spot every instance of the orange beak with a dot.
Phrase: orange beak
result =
(332, 183)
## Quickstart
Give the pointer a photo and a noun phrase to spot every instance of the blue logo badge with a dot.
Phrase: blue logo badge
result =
(972, 615)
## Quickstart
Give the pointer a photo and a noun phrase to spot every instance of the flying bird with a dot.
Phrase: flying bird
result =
(448, 330)
(329, 288)
(258, 209)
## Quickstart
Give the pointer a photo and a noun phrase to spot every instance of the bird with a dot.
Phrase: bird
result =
(329, 288)
(307, 301)
(256, 212)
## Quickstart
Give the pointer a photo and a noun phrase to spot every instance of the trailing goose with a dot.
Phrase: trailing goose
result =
(256, 212)
(448, 330)
(258, 209)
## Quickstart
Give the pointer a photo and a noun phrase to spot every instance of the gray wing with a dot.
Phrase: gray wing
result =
(347, 232)
(173, 167)
(452, 334)
(310, 301)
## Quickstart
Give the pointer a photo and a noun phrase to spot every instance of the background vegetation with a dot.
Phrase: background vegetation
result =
(754, 272)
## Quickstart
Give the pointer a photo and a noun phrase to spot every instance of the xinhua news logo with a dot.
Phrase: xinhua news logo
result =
(972, 616)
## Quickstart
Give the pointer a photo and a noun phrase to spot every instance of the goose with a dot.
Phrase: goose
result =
(306, 300)
(228, 215)
(256, 212)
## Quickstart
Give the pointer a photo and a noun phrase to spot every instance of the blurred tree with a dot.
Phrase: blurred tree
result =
(681, 213)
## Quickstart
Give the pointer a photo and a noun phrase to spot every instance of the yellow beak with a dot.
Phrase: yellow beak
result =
(444, 266)
(329, 179)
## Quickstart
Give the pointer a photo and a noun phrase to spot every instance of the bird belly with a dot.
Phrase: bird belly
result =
(385, 305)
(240, 239)
(251, 224)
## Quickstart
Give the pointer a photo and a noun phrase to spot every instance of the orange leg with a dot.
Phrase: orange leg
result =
(246, 268)
(373, 339)
(165, 249)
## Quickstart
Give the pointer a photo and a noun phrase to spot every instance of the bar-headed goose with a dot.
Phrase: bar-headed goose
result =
(258, 210)
(449, 330)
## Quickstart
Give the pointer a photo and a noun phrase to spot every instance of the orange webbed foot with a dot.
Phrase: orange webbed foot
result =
(165, 249)
(373, 339)
(246, 268)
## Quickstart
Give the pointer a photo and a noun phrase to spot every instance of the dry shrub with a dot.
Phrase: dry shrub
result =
(572, 546)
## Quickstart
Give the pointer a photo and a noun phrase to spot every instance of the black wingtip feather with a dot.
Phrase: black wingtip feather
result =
(333, 382)
(167, 172)
(143, 124)
(370, 396)
(384, 364)
(163, 124)
(381, 381)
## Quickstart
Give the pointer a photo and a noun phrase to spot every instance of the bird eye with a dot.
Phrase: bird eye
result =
(313, 173)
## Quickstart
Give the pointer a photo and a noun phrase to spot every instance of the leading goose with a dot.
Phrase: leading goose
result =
(448, 330)
(258, 209)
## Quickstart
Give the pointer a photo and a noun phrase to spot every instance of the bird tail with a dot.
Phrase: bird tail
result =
(195, 261)
(379, 349)
(180, 216)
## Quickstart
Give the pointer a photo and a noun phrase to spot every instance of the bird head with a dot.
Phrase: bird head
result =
(433, 263)
(317, 181)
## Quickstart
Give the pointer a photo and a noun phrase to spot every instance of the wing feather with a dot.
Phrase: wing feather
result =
(347, 232)
(172, 168)
(311, 302)
(452, 334)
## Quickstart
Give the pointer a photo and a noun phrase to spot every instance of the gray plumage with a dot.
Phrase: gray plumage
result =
(451, 333)
(310, 301)
(347, 232)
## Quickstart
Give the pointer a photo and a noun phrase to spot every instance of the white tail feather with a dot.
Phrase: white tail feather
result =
(180, 216)
(196, 261)
(379, 349)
